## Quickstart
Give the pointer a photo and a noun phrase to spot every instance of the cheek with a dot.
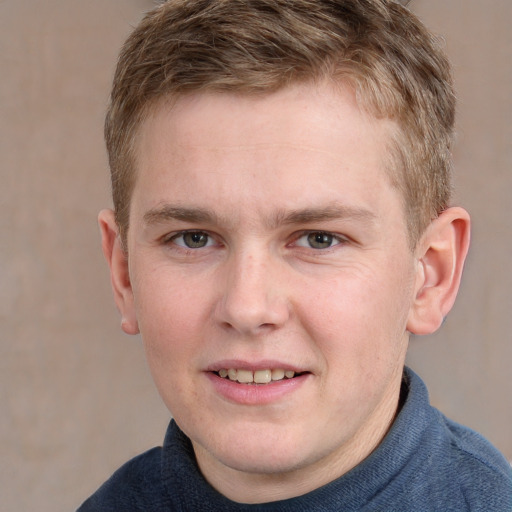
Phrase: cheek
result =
(356, 312)
(172, 323)
(171, 314)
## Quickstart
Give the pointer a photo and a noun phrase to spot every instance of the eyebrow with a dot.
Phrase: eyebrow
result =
(333, 211)
(197, 215)
(168, 212)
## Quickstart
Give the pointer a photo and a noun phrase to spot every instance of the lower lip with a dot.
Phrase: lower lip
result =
(255, 394)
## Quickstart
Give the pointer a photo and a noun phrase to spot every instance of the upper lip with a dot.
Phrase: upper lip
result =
(253, 366)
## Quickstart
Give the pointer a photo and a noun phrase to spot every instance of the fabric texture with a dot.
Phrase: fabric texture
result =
(425, 463)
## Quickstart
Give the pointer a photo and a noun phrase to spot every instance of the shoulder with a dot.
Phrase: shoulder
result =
(483, 474)
(137, 485)
(449, 466)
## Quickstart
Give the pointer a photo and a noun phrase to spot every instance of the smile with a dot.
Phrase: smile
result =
(256, 377)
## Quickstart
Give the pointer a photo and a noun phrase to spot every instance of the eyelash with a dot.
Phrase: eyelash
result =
(172, 239)
(328, 238)
(332, 237)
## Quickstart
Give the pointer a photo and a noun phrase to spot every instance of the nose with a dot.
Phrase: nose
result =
(253, 299)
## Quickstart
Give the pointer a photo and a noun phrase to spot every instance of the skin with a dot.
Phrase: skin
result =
(260, 180)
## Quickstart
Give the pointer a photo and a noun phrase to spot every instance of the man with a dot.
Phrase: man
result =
(281, 224)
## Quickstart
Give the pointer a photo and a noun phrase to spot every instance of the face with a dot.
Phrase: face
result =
(271, 279)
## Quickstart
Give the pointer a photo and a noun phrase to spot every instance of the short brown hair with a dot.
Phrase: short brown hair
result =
(378, 47)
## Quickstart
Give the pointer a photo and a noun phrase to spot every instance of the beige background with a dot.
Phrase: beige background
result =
(76, 397)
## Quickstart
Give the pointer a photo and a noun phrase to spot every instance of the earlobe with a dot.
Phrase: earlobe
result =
(119, 272)
(441, 254)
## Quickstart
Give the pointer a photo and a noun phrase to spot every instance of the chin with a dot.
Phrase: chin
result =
(263, 452)
(263, 463)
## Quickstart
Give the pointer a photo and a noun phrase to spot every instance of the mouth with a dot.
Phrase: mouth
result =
(258, 377)
(259, 383)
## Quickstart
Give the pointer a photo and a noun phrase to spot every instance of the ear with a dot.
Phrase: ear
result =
(119, 272)
(440, 257)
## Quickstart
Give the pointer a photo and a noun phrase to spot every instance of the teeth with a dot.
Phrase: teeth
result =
(257, 377)
(278, 374)
(262, 376)
(244, 376)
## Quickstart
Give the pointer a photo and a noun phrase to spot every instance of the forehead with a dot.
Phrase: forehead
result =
(229, 149)
(298, 109)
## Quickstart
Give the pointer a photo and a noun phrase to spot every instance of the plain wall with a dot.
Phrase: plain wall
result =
(76, 396)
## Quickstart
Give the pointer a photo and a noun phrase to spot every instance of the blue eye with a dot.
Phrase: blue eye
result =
(318, 240)
(192, 239)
